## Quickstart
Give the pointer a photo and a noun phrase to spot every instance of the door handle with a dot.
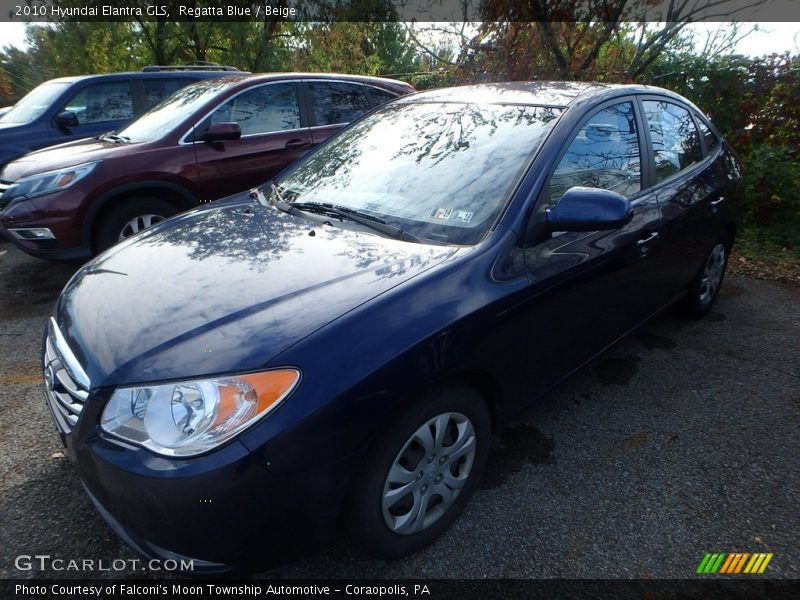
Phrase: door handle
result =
(297, 143)
(653, 237)
(718, 201)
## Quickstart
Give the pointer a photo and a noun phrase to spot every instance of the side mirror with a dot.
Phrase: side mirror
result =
(66, 120)
(589, 209)
(222, 131)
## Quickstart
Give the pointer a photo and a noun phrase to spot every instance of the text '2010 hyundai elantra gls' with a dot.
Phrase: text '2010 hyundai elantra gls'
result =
(332, 351)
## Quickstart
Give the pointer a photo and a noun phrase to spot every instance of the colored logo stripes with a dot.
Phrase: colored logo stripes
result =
(733, 563)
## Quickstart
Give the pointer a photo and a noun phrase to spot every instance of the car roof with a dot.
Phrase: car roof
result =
(188, 74)
(560, 94)
(383, 82)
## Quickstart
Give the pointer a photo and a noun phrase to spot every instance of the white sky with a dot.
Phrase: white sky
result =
(772, 37)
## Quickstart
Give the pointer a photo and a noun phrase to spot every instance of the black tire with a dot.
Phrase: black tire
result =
(366, 517)
(110, 227)
(704, 289)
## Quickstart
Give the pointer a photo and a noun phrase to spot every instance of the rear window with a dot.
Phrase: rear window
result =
(380, 96)
(336, 102)
(709, 136)
(156, 90)
(676, 143)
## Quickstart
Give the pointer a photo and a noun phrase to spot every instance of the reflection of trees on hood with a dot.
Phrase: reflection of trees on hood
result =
(245, 232)
(366, 255)
(257, 236)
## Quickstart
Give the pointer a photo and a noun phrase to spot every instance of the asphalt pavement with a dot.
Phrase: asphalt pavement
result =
(681, 440)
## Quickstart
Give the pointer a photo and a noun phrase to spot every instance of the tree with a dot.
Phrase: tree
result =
(373, 48)
(568, 39)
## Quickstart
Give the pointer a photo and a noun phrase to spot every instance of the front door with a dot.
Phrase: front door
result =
(587, 289)
(100, 108)
(273, 136)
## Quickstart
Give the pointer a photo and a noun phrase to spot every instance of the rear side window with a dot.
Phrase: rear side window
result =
(156, 90)
(264, 109)
(604, 154)
(336, 102)
(380, 96)
(676, 143)
(711, 139)
(102, 102)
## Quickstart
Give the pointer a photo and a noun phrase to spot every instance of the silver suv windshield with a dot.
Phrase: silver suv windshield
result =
(165, 116)
(439, 171)
(35, 102)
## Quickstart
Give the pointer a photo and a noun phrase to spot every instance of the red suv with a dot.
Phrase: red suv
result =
(206, 141)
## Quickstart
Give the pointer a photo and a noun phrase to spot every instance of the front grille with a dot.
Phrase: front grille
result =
(65, 396)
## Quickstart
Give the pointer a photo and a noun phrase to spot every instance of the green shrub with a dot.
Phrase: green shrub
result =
(771, 188)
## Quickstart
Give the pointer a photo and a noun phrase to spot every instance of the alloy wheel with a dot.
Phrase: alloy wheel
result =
(428, 474)
(138, 223)
(712, 274)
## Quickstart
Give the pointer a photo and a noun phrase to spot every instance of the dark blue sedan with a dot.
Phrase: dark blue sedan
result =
(333, 350)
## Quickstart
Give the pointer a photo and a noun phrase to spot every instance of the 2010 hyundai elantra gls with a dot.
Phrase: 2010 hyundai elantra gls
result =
(333, 349)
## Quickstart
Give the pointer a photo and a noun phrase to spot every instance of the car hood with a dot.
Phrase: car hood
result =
(224, 289)
(63, 155)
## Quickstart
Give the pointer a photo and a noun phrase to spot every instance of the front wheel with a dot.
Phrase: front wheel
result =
(419, 477)
(131, 217)
(705, 287)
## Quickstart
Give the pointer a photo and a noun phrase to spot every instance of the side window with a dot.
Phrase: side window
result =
(711, 139)
(264, 109)
(379, 96)
(676, 143)
(604, 154)
(336, 102)
(156, 90)
(103, 102)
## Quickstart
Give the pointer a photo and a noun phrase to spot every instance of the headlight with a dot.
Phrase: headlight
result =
(191, 417)
(50, 181)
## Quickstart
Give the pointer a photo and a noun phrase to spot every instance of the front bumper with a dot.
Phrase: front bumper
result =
(222, 509)
(219, 509)
(61, 214)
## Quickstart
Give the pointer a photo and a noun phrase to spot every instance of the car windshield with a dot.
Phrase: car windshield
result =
(169, 113)
(35, 102)
(440, 171)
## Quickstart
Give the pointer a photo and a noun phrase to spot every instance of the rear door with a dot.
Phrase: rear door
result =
(689, 181)
(274, 134)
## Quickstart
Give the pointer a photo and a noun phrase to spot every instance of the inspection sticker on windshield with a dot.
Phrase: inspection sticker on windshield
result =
(443, 213)
(464, 216)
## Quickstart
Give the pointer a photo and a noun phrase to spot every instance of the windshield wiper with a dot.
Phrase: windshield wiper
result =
(336, 211)
(277, 199)
(351, 214)
(113, 137)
